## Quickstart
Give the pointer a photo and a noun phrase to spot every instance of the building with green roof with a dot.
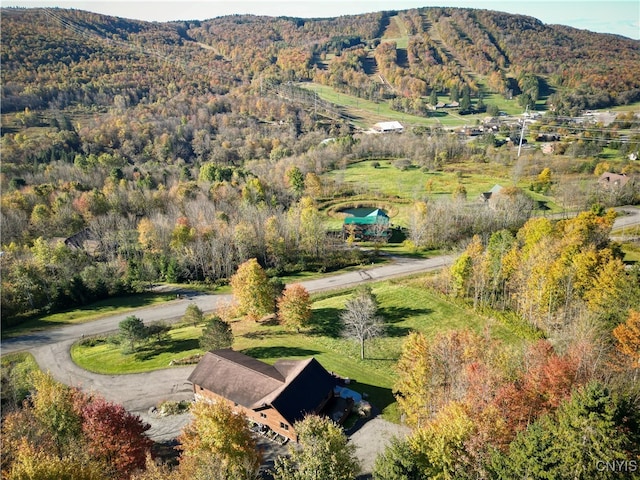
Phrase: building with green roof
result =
(369, 226)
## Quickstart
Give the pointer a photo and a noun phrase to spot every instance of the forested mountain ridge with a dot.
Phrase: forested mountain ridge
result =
(182, 149)
(447, 48)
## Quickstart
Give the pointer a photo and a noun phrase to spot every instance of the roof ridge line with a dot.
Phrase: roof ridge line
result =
(251, 369)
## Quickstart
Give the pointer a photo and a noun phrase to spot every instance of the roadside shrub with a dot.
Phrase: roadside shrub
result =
(169, 407)
(93, 341)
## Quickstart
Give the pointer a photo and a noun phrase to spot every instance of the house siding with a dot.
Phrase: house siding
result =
(271, 418)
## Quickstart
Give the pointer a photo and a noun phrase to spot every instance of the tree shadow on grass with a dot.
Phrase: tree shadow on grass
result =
(147, 352)
(395, 315)
(326, 321)
(279, 352)
(258, 334)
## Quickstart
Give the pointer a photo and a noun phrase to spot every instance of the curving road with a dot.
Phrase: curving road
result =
(139, 392)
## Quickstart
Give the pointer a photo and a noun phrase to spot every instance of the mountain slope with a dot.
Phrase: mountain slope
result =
(62, 57)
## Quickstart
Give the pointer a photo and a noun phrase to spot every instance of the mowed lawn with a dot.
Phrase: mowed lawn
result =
(414, 183)
(405, 305)
(89, 313)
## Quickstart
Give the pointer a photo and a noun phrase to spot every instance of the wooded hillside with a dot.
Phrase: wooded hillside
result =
(175, 151)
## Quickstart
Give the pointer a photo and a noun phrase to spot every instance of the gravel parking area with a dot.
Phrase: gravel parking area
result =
(372, 439)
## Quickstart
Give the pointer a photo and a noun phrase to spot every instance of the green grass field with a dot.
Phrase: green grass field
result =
(89, 313)
(413, 184)
(404, 304)
(108, 358)
(366, 113)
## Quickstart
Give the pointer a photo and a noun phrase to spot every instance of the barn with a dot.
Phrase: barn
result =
(372, 226)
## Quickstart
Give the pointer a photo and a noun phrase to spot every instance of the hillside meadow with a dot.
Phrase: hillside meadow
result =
(401, 187)
(405, 304)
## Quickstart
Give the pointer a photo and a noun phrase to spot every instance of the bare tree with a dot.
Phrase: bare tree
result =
(360, 318)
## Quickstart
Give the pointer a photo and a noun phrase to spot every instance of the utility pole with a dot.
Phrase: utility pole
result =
(524, 120)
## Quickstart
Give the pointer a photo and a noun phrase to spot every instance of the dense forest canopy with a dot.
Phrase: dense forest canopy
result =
(178, 150)
(54, 57)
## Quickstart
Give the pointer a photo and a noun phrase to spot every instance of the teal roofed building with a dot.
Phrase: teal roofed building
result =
(373, 225)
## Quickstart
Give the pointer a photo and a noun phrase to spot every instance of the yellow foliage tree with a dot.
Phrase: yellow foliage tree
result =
(628, 341)
(252, 291)
(218, 438)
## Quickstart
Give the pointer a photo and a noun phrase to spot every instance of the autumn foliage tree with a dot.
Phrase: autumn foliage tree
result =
(218, 445)
(627, 337)
(588, 429)
(431, 373)
(115, 436)
(63, 430)
(252, 291)
(294, 307)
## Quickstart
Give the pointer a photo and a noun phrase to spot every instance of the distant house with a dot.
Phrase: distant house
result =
(612, 181)
(388, 127)
(83, 240)
(273, 396)
(372, 226)
(486, 197)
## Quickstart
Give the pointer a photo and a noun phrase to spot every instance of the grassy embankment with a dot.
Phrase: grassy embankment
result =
(404, 304)
(89, 313)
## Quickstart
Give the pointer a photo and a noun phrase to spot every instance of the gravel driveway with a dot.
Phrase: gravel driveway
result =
(372, 438)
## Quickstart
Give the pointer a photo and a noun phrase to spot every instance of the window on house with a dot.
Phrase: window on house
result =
(284, 426)
(263, 415)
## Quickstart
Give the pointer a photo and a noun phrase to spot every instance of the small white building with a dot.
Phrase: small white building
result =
(388, 127)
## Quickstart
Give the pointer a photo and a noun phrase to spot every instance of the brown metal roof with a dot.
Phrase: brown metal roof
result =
(293, 387)
(235, 376)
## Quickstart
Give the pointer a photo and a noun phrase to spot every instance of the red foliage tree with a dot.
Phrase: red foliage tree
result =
(115, 435)
(548, 380)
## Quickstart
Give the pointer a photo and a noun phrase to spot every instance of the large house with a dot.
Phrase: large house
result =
(273, 396)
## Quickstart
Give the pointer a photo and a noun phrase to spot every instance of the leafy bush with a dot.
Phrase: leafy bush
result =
(402, 164)
(169, 407)
(93, 341)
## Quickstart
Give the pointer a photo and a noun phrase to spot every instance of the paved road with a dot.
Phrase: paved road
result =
(139, 392)
(175, 309)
